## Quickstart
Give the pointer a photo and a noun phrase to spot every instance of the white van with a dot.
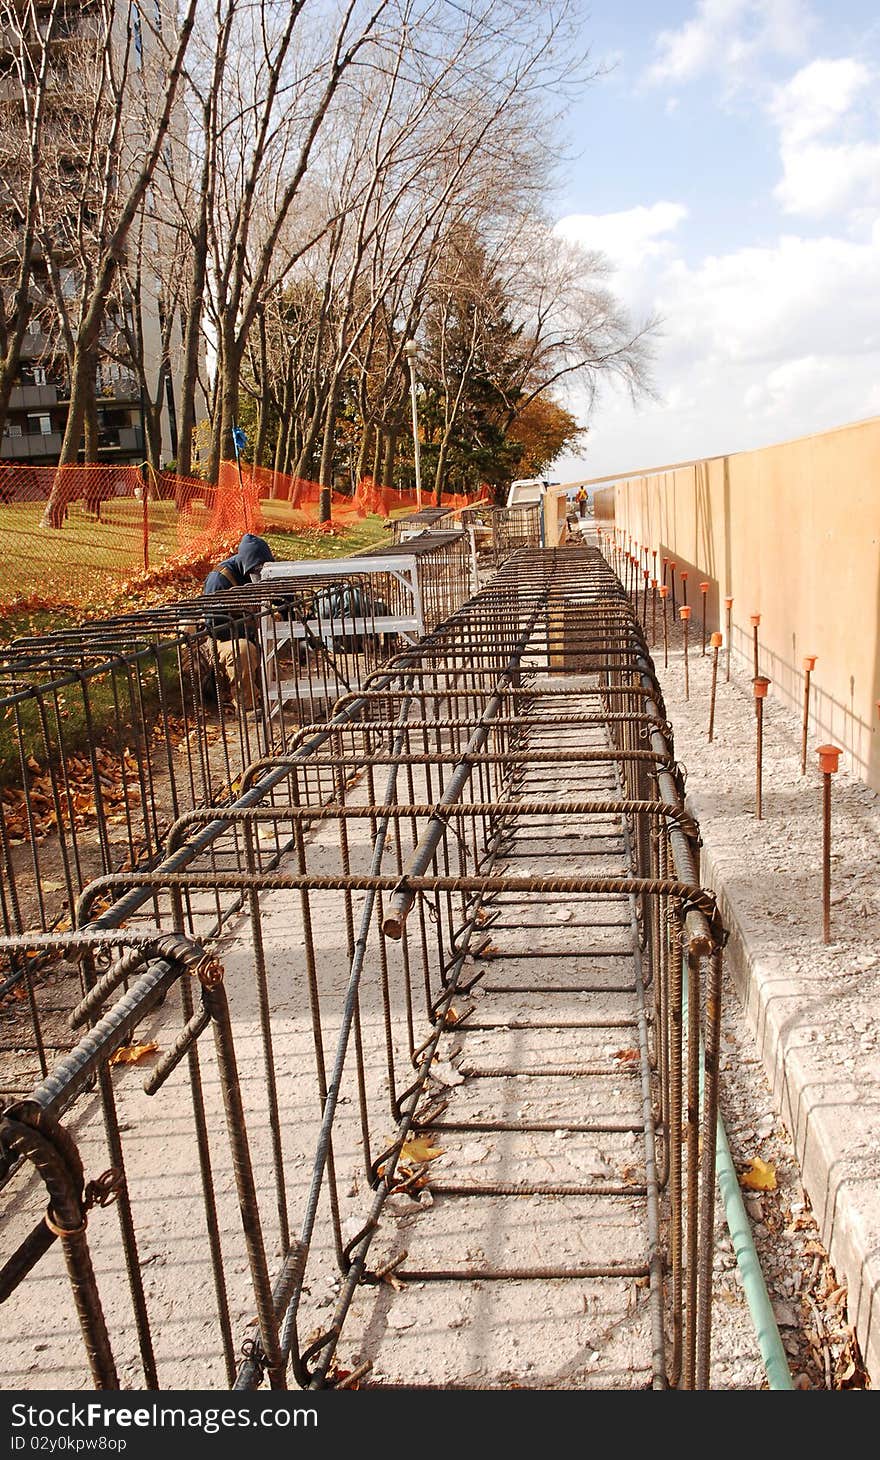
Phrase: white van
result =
(528, 489)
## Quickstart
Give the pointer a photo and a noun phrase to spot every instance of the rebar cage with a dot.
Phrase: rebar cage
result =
(382, 882)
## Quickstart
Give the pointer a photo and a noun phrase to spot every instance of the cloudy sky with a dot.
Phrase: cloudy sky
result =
(728, 164)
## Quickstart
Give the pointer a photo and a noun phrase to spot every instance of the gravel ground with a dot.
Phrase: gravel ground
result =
(771, 873)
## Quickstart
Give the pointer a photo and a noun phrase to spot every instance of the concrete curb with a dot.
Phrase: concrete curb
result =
(818, 1112)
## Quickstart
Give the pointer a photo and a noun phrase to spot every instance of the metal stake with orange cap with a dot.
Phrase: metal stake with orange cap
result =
(716, 645)
(760, 684)
(829, 757)
(645, 575)
(728, 604)
(664, 594)
(684, 614)
(756, 619)
(704, 589)
(809, 666)
(654, 609)
(684, 585)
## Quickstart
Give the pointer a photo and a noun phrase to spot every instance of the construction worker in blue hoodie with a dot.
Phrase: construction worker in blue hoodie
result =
(237, 643)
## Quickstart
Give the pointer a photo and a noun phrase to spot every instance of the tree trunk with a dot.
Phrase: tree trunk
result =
(262, 433)
(310, 435)
(440, 472)
(363, 453)
(91, 429)
(291, 454)
(82, 391)
(189, 381)
(153, 425)
(388, 456)
(276, 492)
(325, 475)
(377, 454)
(226, 405)
(263, 413)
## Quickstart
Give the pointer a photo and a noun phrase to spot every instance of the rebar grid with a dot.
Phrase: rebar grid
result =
(109, 731)
(376, 862)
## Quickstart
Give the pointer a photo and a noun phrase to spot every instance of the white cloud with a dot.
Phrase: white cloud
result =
(826, 175)
(817, 97)
(759, 344)
(820, 181)
(728, 36)
(629, 239)
(767, 304)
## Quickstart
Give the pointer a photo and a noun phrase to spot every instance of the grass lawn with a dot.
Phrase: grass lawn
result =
(64, 574)
(53, 564)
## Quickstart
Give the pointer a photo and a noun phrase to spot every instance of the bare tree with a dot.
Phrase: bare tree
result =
(91, 185)
(21, 149)
(264, 150)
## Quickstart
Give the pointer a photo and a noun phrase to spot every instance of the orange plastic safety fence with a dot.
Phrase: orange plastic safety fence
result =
(77, 534)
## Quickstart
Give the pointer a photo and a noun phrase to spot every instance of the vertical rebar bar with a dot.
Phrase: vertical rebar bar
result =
(684, 614)
(826, 857)
(809, 666)
(664, 596)
(829, 758)
(760, 684)
(716, 645)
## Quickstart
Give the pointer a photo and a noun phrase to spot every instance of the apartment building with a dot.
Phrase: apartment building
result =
(37, 413)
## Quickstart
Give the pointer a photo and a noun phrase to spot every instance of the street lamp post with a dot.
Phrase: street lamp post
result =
(410, 349)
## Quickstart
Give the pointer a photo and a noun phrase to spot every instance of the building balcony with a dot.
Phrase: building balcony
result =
(33, 397)
(131, 439)
(36, 447)
(34, 347)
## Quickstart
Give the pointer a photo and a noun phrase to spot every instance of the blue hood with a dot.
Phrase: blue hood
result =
(252, 553)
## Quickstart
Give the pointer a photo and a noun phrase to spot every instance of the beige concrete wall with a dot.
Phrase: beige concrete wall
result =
(603, 504)
(555, 508)
(791, 532)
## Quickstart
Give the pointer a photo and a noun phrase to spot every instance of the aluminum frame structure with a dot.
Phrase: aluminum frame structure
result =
(373, 864)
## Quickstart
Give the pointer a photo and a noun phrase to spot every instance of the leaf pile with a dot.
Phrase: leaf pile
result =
(77, 795)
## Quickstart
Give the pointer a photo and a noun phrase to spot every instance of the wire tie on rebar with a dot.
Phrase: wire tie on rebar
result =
(64, 1231)
(252, 1352)
(105, 1188)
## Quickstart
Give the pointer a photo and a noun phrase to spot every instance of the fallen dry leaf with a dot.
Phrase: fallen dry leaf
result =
(132, 1054)
(625, 1054)
(761, 1175)
(418, 1149)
